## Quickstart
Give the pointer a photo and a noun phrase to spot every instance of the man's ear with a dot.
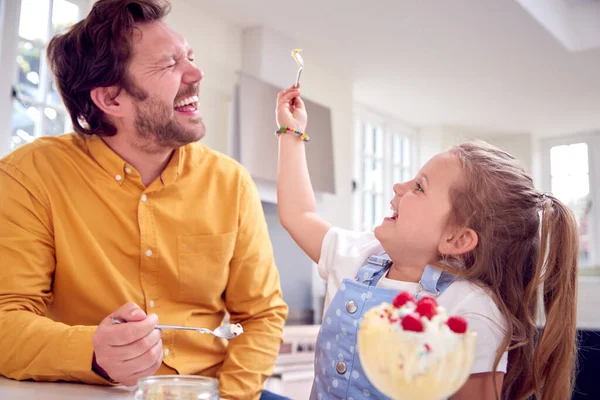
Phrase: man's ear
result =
(458, 241)
(108, 99)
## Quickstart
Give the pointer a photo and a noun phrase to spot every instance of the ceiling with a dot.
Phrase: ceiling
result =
(484, 64)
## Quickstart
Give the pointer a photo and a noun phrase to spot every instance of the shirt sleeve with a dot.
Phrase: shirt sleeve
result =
(253, 298)
(33, 346)
(343, 252)
(484, 318)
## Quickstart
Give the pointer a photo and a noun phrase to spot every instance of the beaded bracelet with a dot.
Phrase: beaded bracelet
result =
(284, 129)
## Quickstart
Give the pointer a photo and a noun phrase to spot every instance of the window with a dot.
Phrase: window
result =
(384, 154)
(571, 173)
(37, 109)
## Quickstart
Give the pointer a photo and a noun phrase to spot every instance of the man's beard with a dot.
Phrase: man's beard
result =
(156, 126)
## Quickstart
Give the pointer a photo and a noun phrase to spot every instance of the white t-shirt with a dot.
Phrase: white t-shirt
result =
(344, 252)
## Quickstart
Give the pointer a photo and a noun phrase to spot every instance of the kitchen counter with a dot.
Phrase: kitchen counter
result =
(27, 390)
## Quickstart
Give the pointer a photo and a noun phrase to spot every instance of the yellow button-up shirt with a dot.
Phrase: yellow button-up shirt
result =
(80, 235)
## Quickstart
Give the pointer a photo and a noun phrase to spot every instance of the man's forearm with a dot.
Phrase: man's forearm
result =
(35, 347)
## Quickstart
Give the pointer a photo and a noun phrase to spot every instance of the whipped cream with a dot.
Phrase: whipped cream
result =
(236, 329)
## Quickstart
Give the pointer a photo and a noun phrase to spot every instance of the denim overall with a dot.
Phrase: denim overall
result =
(338, 373)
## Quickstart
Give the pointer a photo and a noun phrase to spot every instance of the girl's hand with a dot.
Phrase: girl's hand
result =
(290, 110)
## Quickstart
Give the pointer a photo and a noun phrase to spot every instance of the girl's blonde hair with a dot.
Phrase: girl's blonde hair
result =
(528, 248)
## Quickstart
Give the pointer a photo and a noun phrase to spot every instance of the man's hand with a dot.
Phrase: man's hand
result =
(128, 351)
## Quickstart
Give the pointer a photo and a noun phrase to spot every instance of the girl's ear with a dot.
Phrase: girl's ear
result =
(458, 241)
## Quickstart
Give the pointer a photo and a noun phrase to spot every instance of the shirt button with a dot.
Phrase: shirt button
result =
(341, 368)
(148, 253)
(166, 352)
(118, 177)
(127, 170)
(144, 197)
(351, 306)
(151, 304)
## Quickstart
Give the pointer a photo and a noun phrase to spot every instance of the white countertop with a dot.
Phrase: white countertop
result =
(27, 390)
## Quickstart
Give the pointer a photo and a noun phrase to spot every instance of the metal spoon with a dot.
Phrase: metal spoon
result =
(298, 58)
(225, 331)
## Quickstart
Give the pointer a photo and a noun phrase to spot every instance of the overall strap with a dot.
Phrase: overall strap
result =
(434, 282)
(374, 269)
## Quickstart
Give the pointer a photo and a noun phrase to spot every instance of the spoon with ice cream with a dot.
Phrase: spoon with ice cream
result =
(298, 58)
(225, 331)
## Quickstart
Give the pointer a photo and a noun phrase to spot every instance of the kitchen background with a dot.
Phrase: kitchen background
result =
(389, 84)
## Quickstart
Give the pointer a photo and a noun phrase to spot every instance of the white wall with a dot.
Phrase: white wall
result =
(218, 46)
(437, 139)
(218, 51)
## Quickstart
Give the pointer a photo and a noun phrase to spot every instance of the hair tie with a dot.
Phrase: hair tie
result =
(544, 197)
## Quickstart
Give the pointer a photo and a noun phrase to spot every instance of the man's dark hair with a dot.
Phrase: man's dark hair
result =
(94, 53)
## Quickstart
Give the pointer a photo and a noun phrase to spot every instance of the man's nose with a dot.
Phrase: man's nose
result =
(193, 75)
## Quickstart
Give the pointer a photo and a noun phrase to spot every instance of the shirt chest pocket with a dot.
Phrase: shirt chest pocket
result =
(204, 267)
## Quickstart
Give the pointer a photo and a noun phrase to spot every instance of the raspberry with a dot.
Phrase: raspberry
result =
(426, 309)
(402, 298)
(427, 299)
(412, 322)
(457, 324)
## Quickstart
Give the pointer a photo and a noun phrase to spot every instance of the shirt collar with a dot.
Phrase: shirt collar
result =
(110, 161)
(119, 169)
(173, 169)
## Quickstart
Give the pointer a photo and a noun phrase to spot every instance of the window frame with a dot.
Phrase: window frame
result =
(390, 127)
(10, 12)
(592, 139)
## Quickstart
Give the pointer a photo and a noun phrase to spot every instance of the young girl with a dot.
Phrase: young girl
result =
(467, 230)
